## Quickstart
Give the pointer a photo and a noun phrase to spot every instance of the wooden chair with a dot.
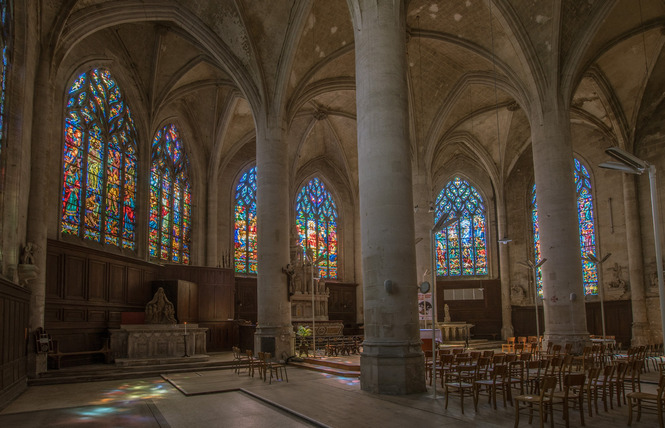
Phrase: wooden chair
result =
(592, 377)
(602, 385)
(261, 364)
(632, 376)
(461, 382)
(274, 368)
(496, 381)
(239, 361)
(573, 390)
(651, 402)
(544, 401)
(250, 362)
(509, 346)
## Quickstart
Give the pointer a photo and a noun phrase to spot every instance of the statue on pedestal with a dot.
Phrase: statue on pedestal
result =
(446, 313)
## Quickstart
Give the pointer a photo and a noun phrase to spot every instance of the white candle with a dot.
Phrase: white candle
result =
(185, 327)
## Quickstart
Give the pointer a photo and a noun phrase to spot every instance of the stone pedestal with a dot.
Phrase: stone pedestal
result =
(455, 331)
(301, 307)
(149, 341)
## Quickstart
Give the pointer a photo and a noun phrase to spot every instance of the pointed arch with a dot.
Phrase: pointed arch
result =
(99, 163)
(244, 236)
(316, 223)
(170, 198)
(587, 229)
(461, 247)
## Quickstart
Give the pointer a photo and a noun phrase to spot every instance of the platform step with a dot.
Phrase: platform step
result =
(334, 363)
(327, 369)
(113, 372)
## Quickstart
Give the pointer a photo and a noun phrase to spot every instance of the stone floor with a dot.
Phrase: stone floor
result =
(223, 398)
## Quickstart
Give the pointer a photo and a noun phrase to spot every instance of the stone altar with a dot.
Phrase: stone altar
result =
(149, 341)
(455, 330)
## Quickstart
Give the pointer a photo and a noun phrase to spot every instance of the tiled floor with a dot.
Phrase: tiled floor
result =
(222, 398)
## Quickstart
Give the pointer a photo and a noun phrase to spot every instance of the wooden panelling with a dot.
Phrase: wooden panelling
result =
(94, 293)
(524, 320)
(14, 306)
(245, 299)
(117, 283)
(485, 314)
(618, 320)
(90, 289)
(221, 336)
(54, 280)
(97, 280)
(74, 277)
(342, 303)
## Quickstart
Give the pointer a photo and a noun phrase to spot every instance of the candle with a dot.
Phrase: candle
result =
(185, 327)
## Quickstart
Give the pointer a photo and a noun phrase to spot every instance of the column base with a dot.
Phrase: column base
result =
(578, 340)
(641, 334)
(279, 341)
(396, 368)
(507, 331)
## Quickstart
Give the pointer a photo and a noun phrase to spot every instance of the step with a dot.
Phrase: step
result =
(112, 372)
(326, 369)
(337, 364)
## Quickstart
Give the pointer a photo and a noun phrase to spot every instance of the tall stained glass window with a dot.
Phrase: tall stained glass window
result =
(316, 222)
(461, 247)
(170, 198)
(4, 48)
(99, 178)
(586, 229)
(245, 253)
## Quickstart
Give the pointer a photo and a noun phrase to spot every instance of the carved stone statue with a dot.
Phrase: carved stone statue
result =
(159, 310)
(289, 272)
(28, 254)
(617, 280)
(517, 293)
(446, 313)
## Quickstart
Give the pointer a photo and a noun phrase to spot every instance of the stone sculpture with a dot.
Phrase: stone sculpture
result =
(159, 310)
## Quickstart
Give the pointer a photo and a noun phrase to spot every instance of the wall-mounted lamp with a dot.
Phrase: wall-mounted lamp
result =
(505, 240)
(388, 285)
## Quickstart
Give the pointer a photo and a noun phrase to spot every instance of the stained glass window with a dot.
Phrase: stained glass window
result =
(316, 222)
(461, 247)
(586, 229)
(170, 199)
(99, 178)
(245, 253)
(4, 47)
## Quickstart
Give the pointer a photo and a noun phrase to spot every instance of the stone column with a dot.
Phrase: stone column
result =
(274, 332)
(565, 313)
(423, 221)
(37, 230)
(392, 359)
(211, 235)
(504, 270)
(641, 330)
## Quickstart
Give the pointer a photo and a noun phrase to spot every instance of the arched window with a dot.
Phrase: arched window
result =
(245, 252)
(587, 229)
(170, 198)
(461, 247)
(99, 178)
(316, 221)
(4, 48)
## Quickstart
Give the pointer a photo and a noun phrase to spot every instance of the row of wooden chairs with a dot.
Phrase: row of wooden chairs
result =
(263, 366)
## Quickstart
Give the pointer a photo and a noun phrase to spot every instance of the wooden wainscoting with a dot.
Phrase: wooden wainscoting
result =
(14, 312)
(485, 314)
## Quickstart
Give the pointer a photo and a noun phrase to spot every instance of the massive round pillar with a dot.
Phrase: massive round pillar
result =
(563, 290)
(274, 332)
(392, 359)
